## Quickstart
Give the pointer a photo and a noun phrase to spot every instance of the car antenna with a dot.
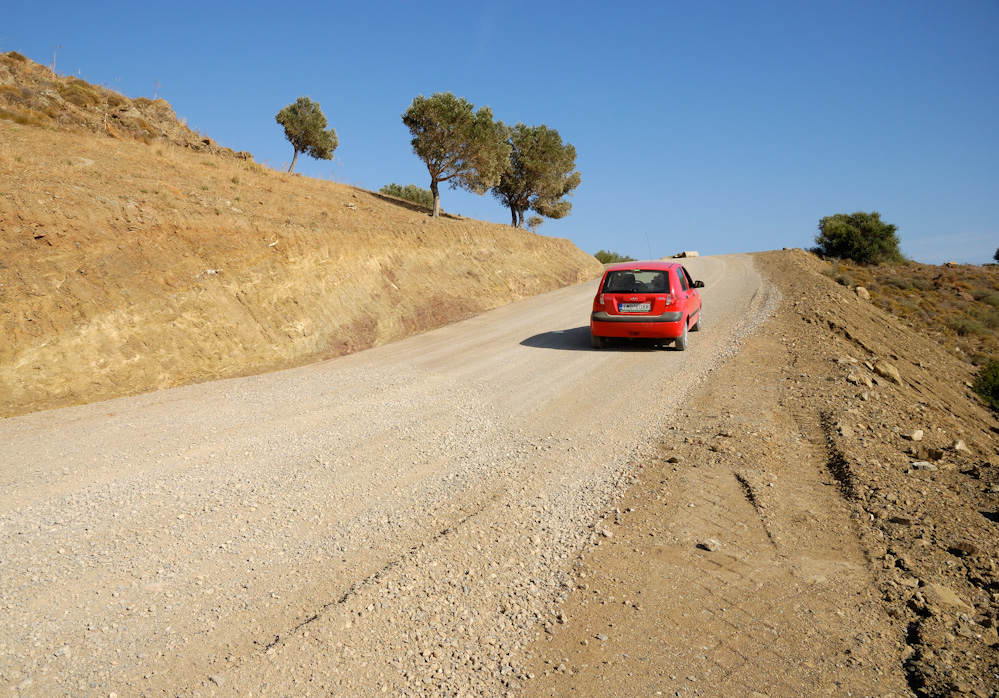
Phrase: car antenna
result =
(648, 244)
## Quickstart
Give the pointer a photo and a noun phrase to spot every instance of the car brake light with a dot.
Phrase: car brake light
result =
(669, 299)
(601, 300)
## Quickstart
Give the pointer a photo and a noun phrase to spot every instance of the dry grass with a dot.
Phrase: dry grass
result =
(32, 95)
(956, 305)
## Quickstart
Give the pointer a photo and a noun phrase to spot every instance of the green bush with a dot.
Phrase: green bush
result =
(965, 326)
(988, 297)
(987, 384)
(839, 277)
(605, 257)
(410, 192)
(862, 237)
(987, 315)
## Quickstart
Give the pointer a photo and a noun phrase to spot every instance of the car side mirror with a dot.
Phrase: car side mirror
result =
(698, 284)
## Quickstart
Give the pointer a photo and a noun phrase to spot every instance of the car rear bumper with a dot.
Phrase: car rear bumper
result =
(665, 326)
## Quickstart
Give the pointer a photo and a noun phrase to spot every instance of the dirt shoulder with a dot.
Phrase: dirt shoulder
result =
(823, 519)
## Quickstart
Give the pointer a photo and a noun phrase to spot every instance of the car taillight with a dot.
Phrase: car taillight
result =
(669, 299)
(600, 299)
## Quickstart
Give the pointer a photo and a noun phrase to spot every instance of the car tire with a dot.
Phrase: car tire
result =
(597, 342)
(680, 343)
(696, 327)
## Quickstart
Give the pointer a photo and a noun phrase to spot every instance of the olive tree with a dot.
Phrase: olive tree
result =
(458, 144)
(862, 237)
(305, 127)
(542, 172)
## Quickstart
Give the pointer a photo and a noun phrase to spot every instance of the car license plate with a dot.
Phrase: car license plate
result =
(635, 307)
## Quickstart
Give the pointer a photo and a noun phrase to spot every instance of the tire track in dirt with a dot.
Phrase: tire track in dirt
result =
(735, 570)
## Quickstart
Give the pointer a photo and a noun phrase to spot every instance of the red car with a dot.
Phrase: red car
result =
(656, 300)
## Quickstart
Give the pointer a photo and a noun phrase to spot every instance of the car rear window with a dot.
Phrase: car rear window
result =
(636, 281)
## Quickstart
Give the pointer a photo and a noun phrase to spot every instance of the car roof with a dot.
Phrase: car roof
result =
(656, 265)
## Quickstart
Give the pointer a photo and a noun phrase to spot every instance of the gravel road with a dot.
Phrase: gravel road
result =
(394, 521)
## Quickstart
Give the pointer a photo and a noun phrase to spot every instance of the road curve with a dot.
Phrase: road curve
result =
(395, 520)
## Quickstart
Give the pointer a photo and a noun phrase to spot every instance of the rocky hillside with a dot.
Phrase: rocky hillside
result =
(32, 95)
(914, 452)
(131, 264)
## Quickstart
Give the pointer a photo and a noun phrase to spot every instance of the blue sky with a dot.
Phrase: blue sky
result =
(719, 126)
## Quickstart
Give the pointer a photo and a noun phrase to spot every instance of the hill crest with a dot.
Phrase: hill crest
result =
(32, 94)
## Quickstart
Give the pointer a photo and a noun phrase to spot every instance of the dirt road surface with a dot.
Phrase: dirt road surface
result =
(407, 520)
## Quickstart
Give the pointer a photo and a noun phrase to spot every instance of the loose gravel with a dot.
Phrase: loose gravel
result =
(397, 521)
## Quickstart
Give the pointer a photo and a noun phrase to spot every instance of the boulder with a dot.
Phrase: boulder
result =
(886, 370)
(940, 595)
(960, 447)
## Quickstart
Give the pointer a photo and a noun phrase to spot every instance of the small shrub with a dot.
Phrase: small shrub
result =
(20, 118)
(987, 384)
(838, 276)
(988, 297)
(79, 93)
(143, 125)
(16, 94)
(112, 98)
(965, 326)
(410, 192)
(987, 315)
(605, 257)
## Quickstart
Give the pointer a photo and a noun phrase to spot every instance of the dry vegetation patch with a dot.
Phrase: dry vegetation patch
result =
(957, 305)
(32, 95)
